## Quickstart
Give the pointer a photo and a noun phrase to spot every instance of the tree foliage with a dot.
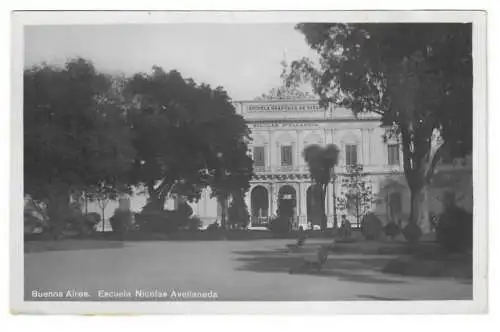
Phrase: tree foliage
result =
(187, 136)
(321, 162)
(418, 77)
(288, 90)
(238, 210)
(91, 134)
(75, 134)
(356, 191)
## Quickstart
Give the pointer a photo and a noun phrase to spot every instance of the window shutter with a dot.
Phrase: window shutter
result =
(286, 155)
(259, 156)
(351, 155)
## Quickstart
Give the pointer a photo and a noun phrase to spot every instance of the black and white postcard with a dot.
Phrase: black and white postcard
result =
(249, 162)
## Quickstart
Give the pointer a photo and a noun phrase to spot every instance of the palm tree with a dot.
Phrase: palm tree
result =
(321, 162)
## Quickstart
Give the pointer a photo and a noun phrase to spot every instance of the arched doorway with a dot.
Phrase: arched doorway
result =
(314, 204)
(287, 203)
(260, 204)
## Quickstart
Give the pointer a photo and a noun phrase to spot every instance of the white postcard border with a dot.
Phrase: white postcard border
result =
(478, 304)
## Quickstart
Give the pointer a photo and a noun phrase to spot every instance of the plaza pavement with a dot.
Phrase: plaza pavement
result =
(235, 270)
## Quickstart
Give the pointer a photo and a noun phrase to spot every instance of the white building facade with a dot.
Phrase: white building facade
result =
(280, 131)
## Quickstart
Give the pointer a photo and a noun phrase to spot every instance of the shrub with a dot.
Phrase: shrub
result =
(392, 230)
(157, 221)
(412, 232)
(213, 226)
(90, 222)
(193, 223)
(345, 229)
(279, 225)
(32, 221)
(74, 221)
(371, 226)
(93, 218)
(454, 230)
(183, 218)
(184, 210)
(121, 222)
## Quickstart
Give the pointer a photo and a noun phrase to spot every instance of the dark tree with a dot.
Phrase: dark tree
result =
(418, 77)
(238, 210)
(321, 162)
(75, 136)
(187, 136)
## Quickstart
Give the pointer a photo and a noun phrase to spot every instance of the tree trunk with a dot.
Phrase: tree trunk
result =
(86, 204)
(103, 219)
(335, 221)
(419, 214)
(58, 211)
(323, 214)
(223, 205)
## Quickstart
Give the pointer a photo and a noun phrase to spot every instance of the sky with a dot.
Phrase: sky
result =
(243, 58)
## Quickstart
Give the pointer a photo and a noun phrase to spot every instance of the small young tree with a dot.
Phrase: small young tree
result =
(356, 192)
(103, 194)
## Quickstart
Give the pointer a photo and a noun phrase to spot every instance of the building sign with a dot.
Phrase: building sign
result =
(285, 108)
(271, 124)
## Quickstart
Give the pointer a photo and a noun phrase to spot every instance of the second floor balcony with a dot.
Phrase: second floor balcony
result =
(340, 169)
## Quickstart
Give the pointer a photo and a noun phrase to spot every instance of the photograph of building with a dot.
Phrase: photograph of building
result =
(301, 161)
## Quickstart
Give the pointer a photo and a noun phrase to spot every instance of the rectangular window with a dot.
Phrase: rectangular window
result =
(393, 154)
(351, 155)
(286, 155)
(259, 158)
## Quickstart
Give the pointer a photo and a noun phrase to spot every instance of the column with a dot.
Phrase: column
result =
(269, 145)
(269, 201)
(337, 191)
(368, 146)
(299, 148)
(330, 202)
(248, 202)
(277, 155)
(299, 201)
(363, 148)
(267, 155)
(274, 198)
(303, 202)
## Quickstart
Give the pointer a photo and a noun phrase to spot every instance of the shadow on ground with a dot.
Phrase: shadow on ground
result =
(362, 269)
